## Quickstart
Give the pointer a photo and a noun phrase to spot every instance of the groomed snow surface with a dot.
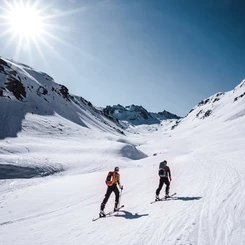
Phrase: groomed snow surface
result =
(52, 184)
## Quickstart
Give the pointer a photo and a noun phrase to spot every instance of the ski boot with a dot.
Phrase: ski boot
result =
(157, 198)
(116, 207)
(102, 213)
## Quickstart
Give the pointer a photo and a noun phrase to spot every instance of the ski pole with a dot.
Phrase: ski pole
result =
(120, 198)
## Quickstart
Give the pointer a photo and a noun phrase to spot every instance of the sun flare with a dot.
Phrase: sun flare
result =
(25, 21)
(32, 26)
(26, 26)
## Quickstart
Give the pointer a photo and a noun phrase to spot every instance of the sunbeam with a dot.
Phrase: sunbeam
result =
(29, 24)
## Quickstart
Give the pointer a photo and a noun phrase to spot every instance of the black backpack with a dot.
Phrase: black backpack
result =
(162, 169)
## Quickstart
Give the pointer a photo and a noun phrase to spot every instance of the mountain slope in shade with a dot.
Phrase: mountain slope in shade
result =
(138, 115)
(24, 90)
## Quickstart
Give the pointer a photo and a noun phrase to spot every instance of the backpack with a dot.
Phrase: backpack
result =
(162, 169)
(162, 172)
(111, 178)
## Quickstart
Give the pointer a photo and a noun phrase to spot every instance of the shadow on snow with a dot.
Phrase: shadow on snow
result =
(128, 215)
(186, 198)
(8, 171)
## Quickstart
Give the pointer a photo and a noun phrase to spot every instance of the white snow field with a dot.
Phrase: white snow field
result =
(53, 170)
(208, 173)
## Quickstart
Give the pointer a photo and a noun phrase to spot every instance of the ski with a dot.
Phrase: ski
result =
(108, 214)
(164, 198)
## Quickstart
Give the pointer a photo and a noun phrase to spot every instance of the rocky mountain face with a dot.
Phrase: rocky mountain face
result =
(137, 115)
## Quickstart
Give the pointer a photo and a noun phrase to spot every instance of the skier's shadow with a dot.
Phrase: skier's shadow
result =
(128, 215)
(187, 198)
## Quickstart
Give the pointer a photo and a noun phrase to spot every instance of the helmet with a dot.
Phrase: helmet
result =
(116, 169)
(165, 161)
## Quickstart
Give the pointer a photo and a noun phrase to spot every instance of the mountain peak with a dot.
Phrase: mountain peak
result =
(137, 114)
(242, 84)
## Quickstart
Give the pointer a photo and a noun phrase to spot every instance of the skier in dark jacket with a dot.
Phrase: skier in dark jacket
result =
(165, 178)
(112, 187)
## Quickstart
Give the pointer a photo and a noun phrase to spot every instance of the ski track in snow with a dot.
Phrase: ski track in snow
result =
(216, 215)
(206, 210)
(209, 207)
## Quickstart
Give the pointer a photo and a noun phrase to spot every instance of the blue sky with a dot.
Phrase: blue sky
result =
(163, 55)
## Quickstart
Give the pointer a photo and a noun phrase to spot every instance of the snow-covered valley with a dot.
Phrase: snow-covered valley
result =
(208, 176)
(53, 170)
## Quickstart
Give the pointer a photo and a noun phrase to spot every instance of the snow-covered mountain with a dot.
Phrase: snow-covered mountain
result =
(46, 132)
(24, 90)
(222, 107)
(137, 115)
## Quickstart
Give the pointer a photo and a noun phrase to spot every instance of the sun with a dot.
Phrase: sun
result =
(24, 20)
(29, 27)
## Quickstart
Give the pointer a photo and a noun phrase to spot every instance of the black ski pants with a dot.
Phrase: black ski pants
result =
(111, 189)
(163, 180)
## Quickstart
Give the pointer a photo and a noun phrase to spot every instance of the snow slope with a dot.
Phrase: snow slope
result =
(25, 91)
(206, 157)
(209, 208)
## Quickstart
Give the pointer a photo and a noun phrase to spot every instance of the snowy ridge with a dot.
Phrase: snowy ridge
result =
(221, 107)
(240, 85)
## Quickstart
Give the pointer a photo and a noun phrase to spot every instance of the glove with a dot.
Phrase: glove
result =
(170, 178)
(122, 187)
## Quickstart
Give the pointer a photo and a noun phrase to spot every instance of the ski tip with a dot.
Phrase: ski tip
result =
(153, 202)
